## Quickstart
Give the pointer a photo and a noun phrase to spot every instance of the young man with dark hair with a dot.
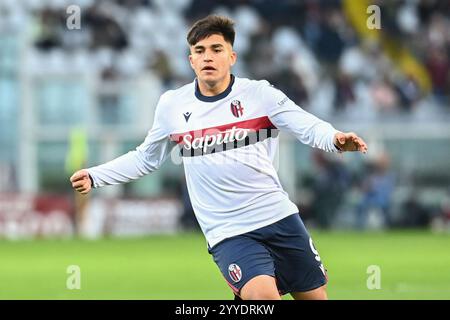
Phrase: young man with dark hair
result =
(227, 131)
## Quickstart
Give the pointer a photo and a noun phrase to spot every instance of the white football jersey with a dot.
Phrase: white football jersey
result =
(228, 143)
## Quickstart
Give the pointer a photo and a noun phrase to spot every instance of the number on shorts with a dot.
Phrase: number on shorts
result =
(313, 249)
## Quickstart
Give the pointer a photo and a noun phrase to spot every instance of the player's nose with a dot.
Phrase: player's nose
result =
(207, 56)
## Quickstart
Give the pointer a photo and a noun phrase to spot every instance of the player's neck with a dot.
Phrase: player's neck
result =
(214, 89)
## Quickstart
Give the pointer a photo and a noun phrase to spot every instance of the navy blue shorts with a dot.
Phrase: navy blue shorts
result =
(283, 250)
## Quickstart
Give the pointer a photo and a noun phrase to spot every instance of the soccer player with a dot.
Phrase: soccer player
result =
(226, 129)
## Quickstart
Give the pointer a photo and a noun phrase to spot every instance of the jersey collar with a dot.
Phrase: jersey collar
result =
(215, 98)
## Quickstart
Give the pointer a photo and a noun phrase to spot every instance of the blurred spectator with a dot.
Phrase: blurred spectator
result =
(344, 91)
(439, 68)
(291, 84)
(76, 159)
(188, 219)
(415, 214)
(331, 181)
(441, 222)
(385, 95)
(377, 187)
(49, 29)
(445, 207)
(408, 90)
(161, 65)
(330, 44)
(106, 32)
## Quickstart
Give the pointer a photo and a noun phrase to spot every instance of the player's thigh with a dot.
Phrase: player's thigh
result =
(298, 266)
(262, 287)
(241, 259)
(315, 294)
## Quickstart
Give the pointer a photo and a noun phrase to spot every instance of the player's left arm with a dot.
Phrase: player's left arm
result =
(306, 127)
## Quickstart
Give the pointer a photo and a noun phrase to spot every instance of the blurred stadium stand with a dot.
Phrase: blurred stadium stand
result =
(392, 86)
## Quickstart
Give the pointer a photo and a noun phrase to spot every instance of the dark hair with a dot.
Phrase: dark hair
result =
(212, 24)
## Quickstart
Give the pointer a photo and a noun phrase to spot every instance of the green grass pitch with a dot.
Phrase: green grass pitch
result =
(413, 265)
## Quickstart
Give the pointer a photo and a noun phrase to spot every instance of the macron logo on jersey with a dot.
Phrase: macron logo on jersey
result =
(187, 116)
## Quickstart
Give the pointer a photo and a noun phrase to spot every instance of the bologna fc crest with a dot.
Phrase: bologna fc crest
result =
(236, 108)
(235, 272)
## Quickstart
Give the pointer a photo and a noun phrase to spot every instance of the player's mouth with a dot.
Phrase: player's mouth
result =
(208, 68)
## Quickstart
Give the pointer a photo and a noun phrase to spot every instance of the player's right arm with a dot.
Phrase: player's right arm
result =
(145, 159)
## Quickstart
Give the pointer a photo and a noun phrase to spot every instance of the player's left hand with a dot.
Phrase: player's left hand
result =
(349, 142)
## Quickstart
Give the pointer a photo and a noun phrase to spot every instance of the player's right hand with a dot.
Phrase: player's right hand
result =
(81, 181)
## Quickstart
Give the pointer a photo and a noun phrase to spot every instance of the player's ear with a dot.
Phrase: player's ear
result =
(233, 57)
(190, 61)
